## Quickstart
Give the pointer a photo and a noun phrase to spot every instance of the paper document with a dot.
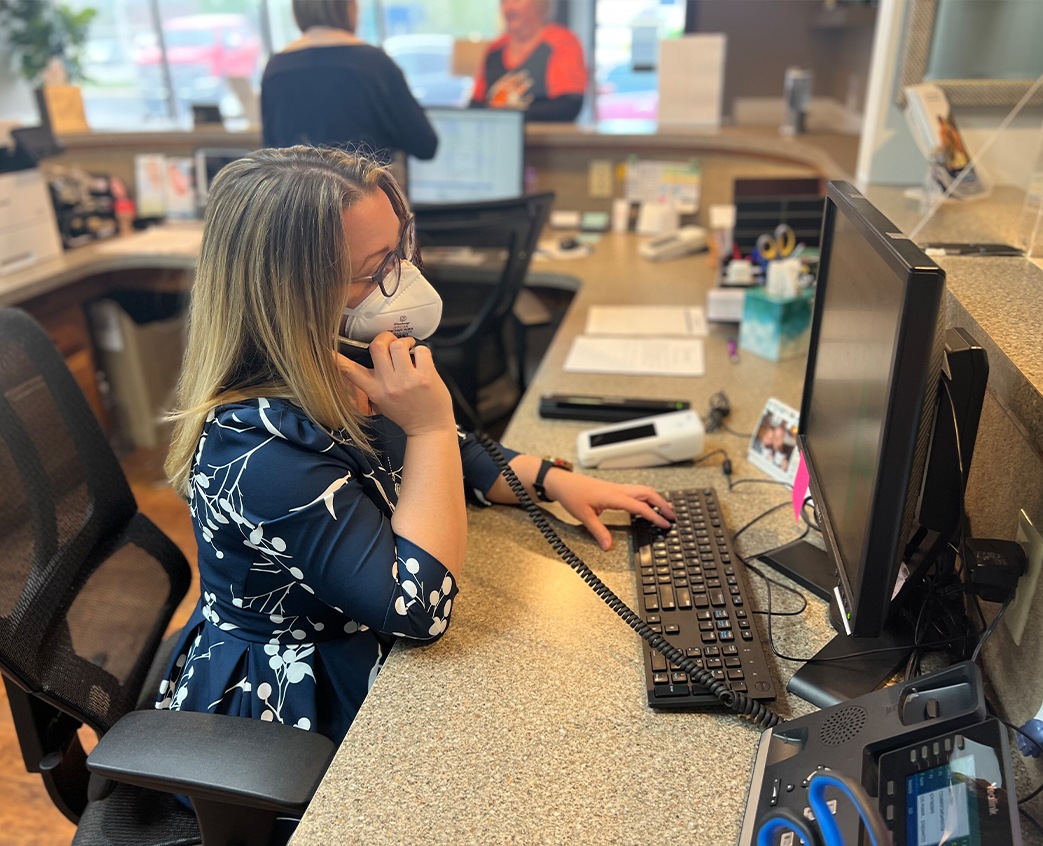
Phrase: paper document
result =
(651, 320)
(678, 183)
(638, 356)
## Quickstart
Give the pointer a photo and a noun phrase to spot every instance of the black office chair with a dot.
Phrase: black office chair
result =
(87, 589)
(472, 346)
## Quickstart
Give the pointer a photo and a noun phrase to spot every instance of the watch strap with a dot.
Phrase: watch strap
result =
(545, 466)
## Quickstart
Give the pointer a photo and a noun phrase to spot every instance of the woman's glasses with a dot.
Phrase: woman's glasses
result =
(388, 274)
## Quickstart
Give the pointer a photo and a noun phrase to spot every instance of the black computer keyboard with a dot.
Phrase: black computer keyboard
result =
(692, 590)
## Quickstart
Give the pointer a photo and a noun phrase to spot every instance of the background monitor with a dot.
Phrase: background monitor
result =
(208, 161)
(867, 416)
(481, 156)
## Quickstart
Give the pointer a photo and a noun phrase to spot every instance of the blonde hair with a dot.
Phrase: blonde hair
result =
(270, 289)
(339, 14)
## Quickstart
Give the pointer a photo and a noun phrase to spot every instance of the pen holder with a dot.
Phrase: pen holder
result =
(774, 327)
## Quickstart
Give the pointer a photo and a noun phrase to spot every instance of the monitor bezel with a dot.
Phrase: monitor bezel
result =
(865, 587)
(434, 112)
(201, 156)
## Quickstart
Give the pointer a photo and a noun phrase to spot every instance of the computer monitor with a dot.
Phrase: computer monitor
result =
(208, 161)
(481, 156)
(867, 418)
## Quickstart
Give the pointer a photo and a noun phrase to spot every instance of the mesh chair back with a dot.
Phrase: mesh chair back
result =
(511, 227)
(87, 584)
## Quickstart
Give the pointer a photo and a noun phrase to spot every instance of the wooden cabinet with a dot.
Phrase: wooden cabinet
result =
(64, 319)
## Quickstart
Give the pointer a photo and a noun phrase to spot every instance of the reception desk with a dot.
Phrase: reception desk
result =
(527, 722)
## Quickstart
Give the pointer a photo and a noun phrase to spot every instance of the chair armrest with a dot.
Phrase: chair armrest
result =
(216, 758)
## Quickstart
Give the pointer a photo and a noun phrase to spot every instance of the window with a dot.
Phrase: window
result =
(148, 61)
(626, 41)
(148, 73)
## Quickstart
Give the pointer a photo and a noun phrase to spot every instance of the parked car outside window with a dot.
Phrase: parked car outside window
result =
(202, 52)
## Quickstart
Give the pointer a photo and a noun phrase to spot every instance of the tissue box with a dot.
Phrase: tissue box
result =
(775, 327)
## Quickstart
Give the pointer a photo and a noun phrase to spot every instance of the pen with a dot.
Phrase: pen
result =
(733, 351)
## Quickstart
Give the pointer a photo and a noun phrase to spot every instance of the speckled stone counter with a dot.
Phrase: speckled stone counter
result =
(527, 722)
(999, 299)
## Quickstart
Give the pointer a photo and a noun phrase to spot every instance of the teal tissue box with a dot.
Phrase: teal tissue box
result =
(776, 327)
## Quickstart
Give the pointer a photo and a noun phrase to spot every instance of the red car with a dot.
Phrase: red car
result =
(202, 52)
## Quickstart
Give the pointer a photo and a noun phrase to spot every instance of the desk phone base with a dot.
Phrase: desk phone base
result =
(692, 591)
(924, 750)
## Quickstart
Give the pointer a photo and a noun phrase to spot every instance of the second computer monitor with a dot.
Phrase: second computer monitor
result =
(481, 156)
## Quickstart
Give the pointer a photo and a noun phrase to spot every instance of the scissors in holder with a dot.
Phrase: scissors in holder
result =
(778, 244)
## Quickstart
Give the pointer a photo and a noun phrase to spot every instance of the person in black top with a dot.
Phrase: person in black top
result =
(330, 88)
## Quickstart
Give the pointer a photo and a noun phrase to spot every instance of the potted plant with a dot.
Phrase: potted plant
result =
(48, 38)
(38, 31)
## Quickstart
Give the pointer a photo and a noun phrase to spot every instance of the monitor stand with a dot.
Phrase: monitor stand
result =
(826, 681)
(806, 564)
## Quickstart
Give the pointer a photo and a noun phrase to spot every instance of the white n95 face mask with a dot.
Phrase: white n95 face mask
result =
(413, 310)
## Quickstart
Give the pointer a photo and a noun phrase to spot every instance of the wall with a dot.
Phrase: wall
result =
(888, 154)
(767, 36)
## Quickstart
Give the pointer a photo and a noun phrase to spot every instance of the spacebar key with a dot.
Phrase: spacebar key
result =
(666, 691)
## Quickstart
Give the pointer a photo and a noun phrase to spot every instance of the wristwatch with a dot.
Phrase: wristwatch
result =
(545, 465)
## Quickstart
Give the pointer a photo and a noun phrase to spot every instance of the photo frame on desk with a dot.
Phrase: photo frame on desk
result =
(773, 446)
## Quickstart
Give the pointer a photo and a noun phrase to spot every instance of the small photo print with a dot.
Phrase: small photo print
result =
(773, 447)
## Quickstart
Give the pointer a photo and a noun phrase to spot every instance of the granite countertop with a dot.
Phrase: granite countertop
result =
(998, 299)
(527, 722)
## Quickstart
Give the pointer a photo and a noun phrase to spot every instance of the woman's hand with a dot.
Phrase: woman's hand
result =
(404, 388)
(585, 497)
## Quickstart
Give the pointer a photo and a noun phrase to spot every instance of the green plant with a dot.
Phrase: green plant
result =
(40, 30)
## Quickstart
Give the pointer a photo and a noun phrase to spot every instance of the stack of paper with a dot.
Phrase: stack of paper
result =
(641, 340)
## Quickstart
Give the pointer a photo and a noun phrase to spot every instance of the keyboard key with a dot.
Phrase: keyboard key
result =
(670, 691)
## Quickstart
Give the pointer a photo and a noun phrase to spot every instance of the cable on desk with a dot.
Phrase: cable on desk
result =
(749, 709)
(730, 431)
(1030, 818)
(751, 481)
(1033, 794)
(794, 591)
(771, 640)
(759, 517)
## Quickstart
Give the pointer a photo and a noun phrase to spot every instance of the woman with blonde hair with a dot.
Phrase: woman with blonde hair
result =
(328, 498)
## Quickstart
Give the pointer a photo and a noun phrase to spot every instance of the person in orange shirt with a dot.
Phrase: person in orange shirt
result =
(536, 66)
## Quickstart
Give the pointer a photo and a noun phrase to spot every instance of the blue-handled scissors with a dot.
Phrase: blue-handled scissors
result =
(778, 244)
(785, 820)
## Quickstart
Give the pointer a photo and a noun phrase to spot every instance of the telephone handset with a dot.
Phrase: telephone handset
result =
(358, 351)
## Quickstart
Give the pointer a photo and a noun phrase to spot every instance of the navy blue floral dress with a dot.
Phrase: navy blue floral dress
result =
(304, 585)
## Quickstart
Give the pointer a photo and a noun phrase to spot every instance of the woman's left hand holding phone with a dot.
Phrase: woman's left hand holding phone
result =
(405, 387)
